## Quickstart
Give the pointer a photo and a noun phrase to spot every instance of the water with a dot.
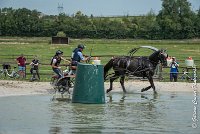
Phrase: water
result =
(166, 113)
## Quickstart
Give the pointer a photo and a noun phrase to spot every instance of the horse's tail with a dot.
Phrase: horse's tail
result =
(107, 67)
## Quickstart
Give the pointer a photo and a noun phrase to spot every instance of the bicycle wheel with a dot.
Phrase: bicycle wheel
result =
(2, 74)
(16, 75)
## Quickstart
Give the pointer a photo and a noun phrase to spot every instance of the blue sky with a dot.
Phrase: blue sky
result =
(95, 7)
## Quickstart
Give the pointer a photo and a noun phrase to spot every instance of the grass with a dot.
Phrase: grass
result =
(11, 47)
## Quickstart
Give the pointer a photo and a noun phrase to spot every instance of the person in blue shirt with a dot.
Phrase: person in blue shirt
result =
(174, 70)
(77, 56)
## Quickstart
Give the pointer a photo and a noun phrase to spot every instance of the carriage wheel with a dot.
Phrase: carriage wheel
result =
(63, 85)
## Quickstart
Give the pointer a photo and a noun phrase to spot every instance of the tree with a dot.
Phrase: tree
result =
(148, 26)
(197, 24)
(176, 19)
(7, 23)
(186, 18)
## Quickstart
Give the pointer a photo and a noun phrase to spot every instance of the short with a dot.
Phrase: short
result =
(21, 68)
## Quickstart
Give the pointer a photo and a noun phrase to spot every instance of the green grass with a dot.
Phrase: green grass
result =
(11, 47)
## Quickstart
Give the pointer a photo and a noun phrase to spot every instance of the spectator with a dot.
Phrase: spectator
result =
(34, 66)
(174, 70)
(21, 61)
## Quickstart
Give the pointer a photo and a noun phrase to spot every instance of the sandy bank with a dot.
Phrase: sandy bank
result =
(13, 88)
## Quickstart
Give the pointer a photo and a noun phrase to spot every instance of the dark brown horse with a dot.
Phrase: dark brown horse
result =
(137, 66)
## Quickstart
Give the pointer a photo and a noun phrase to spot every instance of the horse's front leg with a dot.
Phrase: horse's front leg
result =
(150, 78)
(146, 88)
(122, 83)
(111, 83)
(152, 84)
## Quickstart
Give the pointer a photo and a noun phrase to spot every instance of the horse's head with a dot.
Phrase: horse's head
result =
(163, 57)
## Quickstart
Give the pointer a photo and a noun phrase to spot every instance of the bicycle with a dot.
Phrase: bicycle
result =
(185, 76)
(13, 74)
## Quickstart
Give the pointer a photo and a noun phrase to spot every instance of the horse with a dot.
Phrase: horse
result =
(136, 66)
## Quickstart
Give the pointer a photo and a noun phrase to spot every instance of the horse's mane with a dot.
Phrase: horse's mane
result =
(154, 55)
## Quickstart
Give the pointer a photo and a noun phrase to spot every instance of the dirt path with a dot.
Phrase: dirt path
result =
(13, 88)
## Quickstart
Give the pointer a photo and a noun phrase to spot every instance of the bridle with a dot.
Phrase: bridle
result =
(162, 56)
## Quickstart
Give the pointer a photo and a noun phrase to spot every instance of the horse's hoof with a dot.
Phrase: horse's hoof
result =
(142, 90)
(108, 90)
(155, 92)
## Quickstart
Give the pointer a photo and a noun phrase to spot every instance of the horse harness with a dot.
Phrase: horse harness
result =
(141, 66)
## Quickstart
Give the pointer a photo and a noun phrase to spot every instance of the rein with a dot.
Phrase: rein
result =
(126, 74)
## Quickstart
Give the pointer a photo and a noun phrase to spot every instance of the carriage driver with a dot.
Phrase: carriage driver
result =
(77, 56)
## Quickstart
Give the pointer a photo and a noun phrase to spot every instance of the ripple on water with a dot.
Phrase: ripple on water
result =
(130, 113)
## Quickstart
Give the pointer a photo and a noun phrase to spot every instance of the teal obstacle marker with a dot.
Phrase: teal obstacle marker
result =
(89, 84)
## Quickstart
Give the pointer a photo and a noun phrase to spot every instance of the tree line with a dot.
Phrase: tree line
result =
(175, 20)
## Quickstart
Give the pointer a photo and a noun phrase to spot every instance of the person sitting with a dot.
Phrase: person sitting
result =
(6, 68)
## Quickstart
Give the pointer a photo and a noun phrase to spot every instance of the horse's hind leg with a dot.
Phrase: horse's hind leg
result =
(122, 83)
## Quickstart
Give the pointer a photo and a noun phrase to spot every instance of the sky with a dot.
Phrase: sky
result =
(95, 7)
